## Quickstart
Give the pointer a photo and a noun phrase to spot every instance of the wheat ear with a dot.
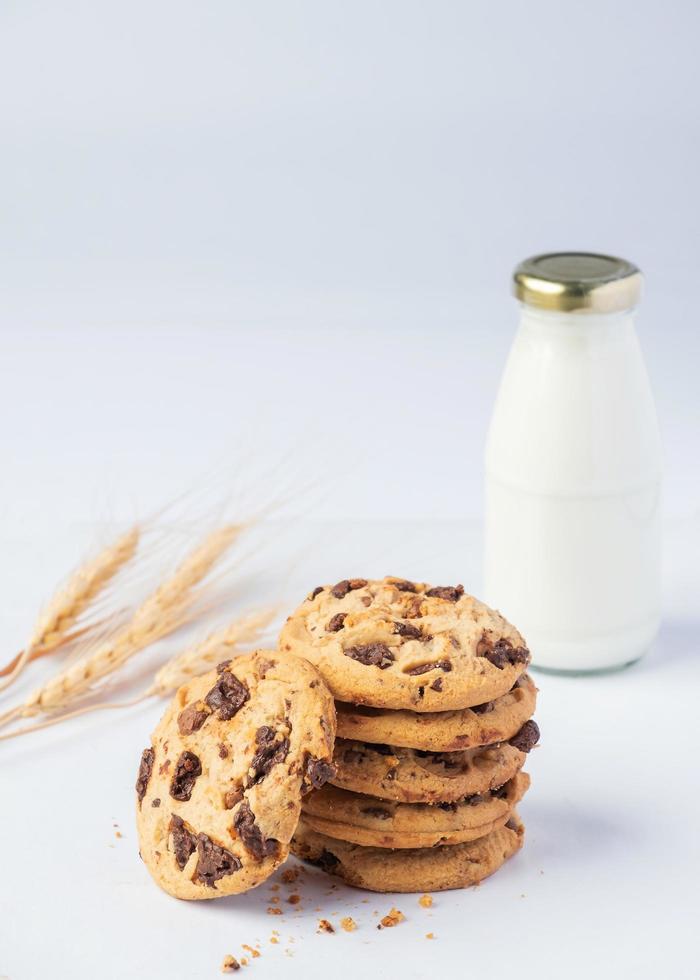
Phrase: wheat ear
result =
(195, 660)
(162, 612)
(84, 585)
(201, 657)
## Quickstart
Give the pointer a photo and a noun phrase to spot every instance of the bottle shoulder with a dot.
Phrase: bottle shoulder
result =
(572, 417)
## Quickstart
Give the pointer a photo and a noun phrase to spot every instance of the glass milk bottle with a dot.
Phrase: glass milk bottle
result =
(573, 470)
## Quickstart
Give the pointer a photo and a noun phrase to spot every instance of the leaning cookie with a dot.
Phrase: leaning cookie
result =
(219, 790)
(391, 643)
(441, 731)
(423, 869)
(383, 823)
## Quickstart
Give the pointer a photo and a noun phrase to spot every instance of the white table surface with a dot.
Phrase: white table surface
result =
(606, 885)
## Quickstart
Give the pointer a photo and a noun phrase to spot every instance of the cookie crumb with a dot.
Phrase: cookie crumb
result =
(249, 949)
(325, 926)
(294, 899)
(244, 961)
(273, 911)
(348, 923)
(118, 833)
(274, 940)
(426, 901)
(230, 964)
(429, 935)
(391, 919)
(290, 874)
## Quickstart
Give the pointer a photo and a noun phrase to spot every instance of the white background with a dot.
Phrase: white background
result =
(273, 242)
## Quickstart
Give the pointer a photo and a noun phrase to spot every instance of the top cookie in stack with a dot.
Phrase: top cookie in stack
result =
(397, 644)
(433, 711)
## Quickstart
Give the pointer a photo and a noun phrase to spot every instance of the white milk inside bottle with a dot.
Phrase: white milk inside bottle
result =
(573, 470)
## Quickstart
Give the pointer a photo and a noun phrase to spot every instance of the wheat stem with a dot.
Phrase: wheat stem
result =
(69, 714)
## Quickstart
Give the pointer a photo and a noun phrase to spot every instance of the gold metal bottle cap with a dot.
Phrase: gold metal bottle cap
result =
(577, 282)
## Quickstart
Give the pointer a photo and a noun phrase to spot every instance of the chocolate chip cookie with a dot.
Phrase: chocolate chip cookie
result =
(422, 869)
(415, 776)
(441, 731)
(219, 789)
(384, 823)
(391, 643)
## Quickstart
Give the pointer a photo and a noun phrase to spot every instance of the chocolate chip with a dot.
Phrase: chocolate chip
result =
(371, 655)
(448, 807)
(366, 600)
(270, 752)
(155, 802)
(347, 585)
(527, 737)
(450, 592)
(482, 709)
(501, 652)
(455, 642)
(214, 861)
(437, 684)
(220, 668)
(335, 623)
(317, 773)
(500, 792)
(145, 770)
(405, 629)
(473, 800)
(251, 834)
(520, 655)
(231, 797)
(440, 758)
(435, 665)
(319, 588)
(227, 696)
(413, 610)
(405, 586)
(263, 666)
(191, 719)
(326, 861)
(223, 751)
(392, 774)
(377, 811)
(184, 842)
(187, 769)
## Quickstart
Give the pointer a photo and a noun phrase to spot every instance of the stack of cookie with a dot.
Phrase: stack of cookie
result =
(434, 723)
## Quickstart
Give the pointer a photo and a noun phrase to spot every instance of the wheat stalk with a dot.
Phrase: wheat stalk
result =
(164, 611)
(54, 624)
(195, 660)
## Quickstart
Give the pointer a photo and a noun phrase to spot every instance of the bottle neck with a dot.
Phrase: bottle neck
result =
(575, 327)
